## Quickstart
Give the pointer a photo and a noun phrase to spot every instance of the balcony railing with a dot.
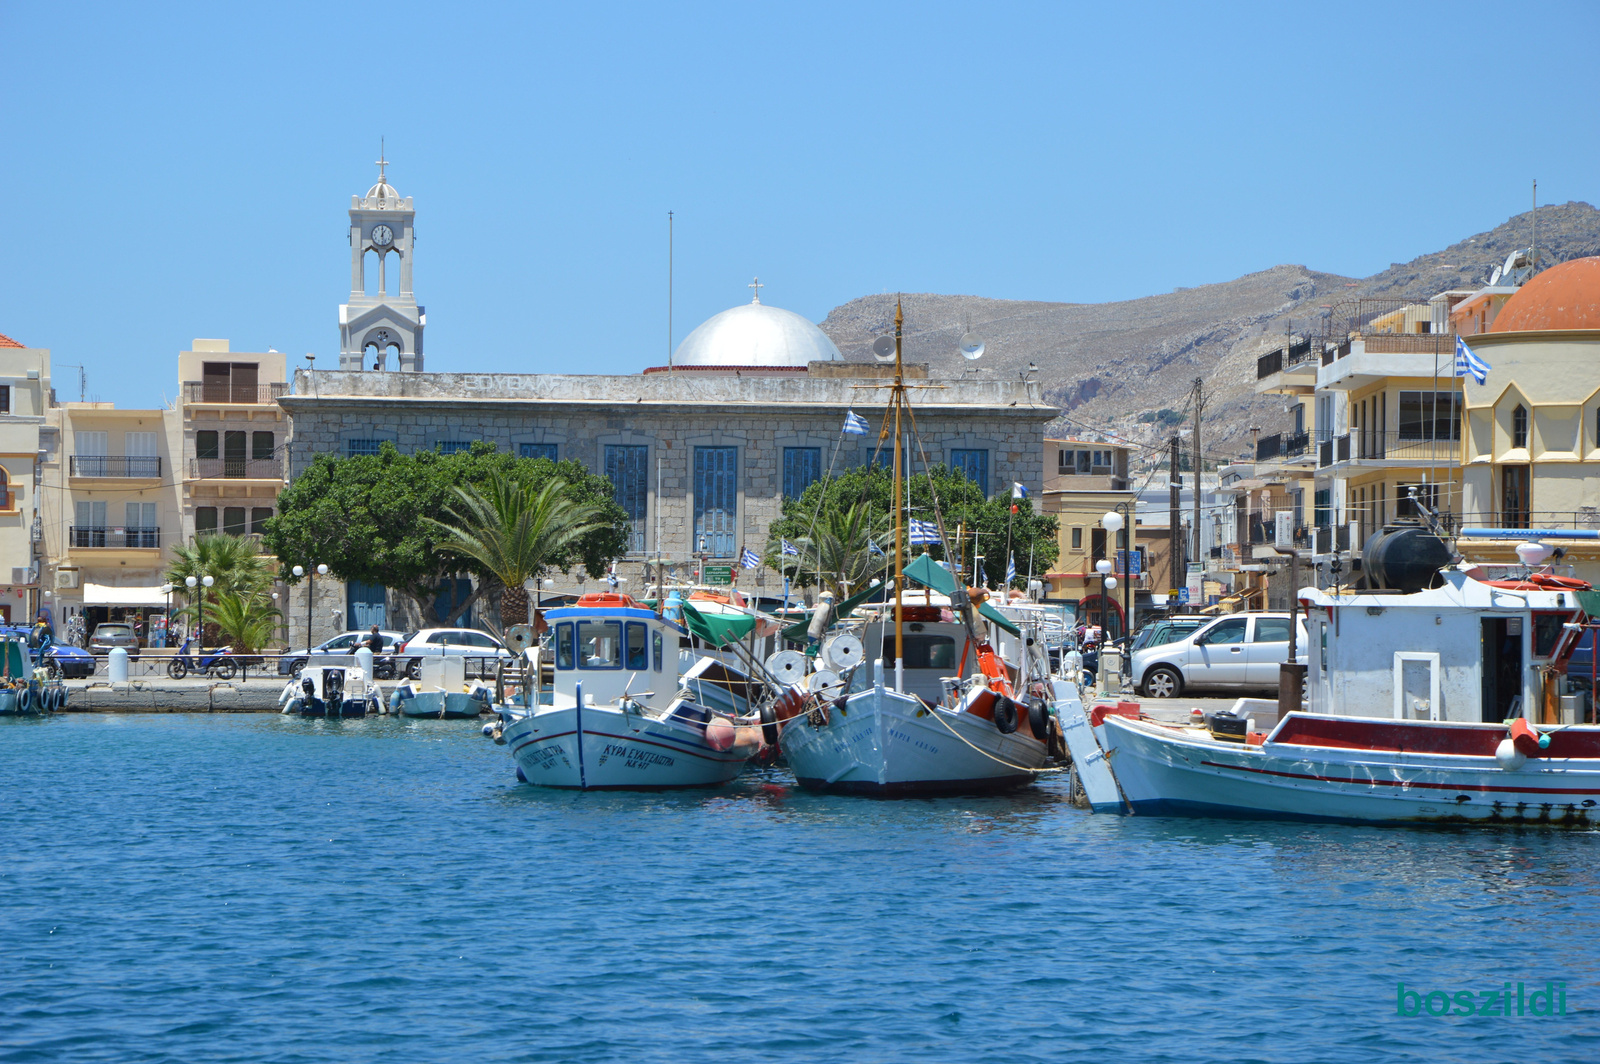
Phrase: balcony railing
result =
(270, 468)
(1442, 343)
(1536, 519)
(1403, 447)
(115, 536)
(103, 465)
(1277, 361)
(228, 392)
(1334, 450)
(1282, 445)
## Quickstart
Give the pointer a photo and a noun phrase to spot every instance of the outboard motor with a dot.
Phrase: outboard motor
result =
(310, 705)
(333, 691)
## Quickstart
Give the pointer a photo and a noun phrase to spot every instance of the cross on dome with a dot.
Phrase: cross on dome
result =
(382, 164)
(756, 286)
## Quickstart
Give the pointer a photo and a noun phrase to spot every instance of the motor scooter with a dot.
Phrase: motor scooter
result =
(218, 663)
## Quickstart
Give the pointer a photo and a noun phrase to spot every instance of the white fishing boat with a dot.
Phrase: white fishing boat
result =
(943, 713)
(331, 691)
(621, 716)
(24, 689)
(442, 691)
(1437, 705)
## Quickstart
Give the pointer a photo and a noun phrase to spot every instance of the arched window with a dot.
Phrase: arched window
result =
(1519, 427)
(372, 357)
(369, 273)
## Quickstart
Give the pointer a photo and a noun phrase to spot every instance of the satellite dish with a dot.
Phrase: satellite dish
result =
(971, 347)
(787, 666)
(1494, 277)
(843, 651)
(883, 348)
(520, 637)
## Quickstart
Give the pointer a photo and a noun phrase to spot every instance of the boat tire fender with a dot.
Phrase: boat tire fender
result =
(769, 724)
(27, 700)
(1005, 715)
(1039, 720)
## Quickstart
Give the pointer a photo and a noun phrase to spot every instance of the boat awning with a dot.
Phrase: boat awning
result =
(930, 573)
(718, 629)
(796, 633)
(106, 595)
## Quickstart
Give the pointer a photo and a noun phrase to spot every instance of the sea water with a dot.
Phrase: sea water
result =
(270, 889)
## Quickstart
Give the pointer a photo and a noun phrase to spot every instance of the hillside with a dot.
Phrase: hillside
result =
(1105, 364)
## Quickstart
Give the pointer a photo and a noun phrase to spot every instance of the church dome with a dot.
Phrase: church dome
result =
(384, 191)
(756, 335)
(1566, 296)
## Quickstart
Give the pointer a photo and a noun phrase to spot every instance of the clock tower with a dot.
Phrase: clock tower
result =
(381, 326)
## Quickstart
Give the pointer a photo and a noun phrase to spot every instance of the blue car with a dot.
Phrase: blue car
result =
(64, 661)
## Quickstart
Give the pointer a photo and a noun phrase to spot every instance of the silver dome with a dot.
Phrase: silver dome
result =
(755, 335)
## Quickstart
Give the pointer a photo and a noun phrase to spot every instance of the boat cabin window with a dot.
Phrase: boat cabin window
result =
(1547, 633)
(599, 644)
(638, 647)
(1230, 630)
(923, 651)
(564, 646)
(1271, 630)
(655, 639)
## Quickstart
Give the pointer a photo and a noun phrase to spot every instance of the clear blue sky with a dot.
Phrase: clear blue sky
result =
(175, 171)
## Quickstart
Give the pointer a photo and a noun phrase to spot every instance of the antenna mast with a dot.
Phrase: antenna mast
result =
(669, 290)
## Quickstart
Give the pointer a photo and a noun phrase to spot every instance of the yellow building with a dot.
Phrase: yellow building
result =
(24, 433)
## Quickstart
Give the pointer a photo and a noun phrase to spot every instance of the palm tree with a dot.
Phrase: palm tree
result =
(842, 550)
(231, 561)
(511, 528)
(246, 621)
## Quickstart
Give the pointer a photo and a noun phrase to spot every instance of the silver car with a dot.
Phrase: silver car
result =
(1238, 650)
(108, 636)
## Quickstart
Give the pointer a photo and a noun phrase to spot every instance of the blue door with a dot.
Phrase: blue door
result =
(365, 605)
(715, 499)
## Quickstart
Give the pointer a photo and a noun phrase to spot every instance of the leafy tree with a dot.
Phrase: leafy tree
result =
(511, 527)
(981, 522)
(844, 548)
(365, 518)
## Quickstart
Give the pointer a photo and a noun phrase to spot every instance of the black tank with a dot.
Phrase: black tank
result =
(1404, 558)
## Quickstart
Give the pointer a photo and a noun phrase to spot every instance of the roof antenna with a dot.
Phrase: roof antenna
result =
(1533, 252)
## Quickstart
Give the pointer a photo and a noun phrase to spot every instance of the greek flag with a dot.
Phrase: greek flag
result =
(1011, 568)
(854, 424)
(983, 578)
(873, 548)
(1468, 362)
(789, 548)
(924, 532)
(748, 559)
(1018, 491)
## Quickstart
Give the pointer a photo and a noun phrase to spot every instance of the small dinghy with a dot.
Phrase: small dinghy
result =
(443, 692)
(331, 691)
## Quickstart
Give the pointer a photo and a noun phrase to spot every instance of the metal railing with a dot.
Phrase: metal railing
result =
(269, 468)
(1401, 447)
(273, 666)
(115, 536)
(114, 465)
(1334, 450)
(1532, 519)
(1282, 445)
(228, 392)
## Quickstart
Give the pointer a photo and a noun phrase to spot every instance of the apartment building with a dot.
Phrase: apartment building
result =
(232, 437)
(24, 433)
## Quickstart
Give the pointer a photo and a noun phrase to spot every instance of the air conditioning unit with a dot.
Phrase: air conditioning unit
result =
(67, 576)
(21, 575)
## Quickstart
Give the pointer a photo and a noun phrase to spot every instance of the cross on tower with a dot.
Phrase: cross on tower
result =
(756, 286)
(382, 163)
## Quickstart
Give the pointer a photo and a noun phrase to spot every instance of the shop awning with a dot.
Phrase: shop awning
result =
(105, 595)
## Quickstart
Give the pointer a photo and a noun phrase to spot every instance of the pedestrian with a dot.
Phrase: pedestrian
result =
(43, 634)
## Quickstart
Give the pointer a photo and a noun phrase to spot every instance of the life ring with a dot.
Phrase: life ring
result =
(1005, 715)
(1039, 720)
(607, 598)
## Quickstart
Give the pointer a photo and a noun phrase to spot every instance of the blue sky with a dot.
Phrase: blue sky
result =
(177, 171)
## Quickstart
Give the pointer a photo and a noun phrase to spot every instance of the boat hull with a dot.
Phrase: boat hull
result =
(605, 748)
(447, 705)
(1183, 772)
(887, 744)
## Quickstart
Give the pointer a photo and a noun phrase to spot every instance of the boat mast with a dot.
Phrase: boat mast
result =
(897, 397)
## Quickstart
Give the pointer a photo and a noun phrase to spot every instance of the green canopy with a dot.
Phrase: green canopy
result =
(1590, 601)
(931, 574)
(718, 629)
(797, 632)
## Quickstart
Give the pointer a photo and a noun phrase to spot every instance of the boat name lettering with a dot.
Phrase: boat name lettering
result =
(635, 757)
(918, 743)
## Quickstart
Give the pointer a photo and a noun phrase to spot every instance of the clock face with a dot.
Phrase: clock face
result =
(382, 236)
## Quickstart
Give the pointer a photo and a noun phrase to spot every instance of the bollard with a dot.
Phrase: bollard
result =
(117, 665)
(364, 660)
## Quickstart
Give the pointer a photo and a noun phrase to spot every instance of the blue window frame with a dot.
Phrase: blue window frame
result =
(365, 605)
(454, 446)
(655, 640)
(353, 448)
(638, 652)
(599, 644)
(537, 450)
(975, 464)
(628, 469)
(564, 645)
(716, 495)
(801, 467)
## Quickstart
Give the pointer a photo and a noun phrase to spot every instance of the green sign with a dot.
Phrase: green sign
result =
(718, 574)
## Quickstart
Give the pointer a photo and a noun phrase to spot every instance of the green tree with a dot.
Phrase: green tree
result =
(982, 523)
(247, 622)
(511, 527)
(845, 547)
(365, 518)
(232, 561)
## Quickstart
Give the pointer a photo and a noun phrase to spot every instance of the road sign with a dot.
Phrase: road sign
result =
(1126, 558)
(1183, 596)
(718, 574)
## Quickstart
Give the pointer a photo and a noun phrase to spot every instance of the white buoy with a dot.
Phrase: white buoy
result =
(1508, 757)
(117, 665)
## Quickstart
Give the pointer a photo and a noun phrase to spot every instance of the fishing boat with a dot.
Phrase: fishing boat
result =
(963, 721)
(621, 716)
(24, 689)
(331, 691)
(442, 691)
(1441, 704)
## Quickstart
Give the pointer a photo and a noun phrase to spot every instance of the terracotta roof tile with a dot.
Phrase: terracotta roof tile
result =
(6, 341)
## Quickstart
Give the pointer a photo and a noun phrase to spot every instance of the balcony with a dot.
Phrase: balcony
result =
(116, 537)
(1361, 360)
(118, 467)
(1296, 364)
(1333, 450)
(1389, 449)
(1283, 445)
(221, 393)
(269, 468)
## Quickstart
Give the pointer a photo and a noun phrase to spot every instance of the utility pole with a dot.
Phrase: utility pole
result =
(1199, 405)
(1174, 531)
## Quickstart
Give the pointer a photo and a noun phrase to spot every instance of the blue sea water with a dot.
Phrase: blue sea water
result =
(270, 889)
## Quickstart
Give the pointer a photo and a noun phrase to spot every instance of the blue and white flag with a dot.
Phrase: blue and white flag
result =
(1011, 568)
(982, 577)
(873, 548)
(789, 548)
(1468, 362)
(1018, 491)
(924, 532)
(748, 559)
(854, 424)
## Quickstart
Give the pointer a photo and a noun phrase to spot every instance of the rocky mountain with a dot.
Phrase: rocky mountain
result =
(1108, 364)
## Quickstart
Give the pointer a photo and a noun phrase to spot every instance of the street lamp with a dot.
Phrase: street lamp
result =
(1103, 567)
(311, 593)
(1114, 522)
(190, 582)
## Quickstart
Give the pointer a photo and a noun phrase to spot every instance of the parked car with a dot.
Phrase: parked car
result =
(1238, 650)
(68, 662)
(1167, 630)
(108, 636)
(437, 642)
(293, 661)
